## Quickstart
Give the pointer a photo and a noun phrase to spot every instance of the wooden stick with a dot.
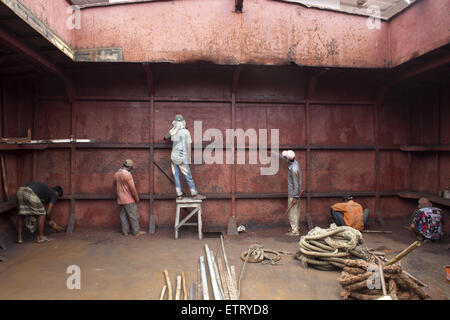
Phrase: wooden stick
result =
(223, 279)
(178, 291)
(184, 286)
(383, 283)
(233, 276)
(163, 291)
(404, 253)
(5, 184)
(216, 271)
(375, 231)
(169, 285)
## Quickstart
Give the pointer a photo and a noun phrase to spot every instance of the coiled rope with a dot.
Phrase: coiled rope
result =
(327, 249)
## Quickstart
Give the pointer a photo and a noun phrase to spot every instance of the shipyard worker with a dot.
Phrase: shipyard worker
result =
(427, 221)
(127, 197)
(181, 155)
(32, 198)
(349, 213)
(294, 190)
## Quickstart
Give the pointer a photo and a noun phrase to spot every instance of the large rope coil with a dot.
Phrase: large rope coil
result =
(327, 249)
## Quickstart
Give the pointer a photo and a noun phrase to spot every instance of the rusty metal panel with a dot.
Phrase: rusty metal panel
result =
(105, 213)
(444, 172)
(393, 171)
(262, 212)
(284, 82)
(212, 114)
(124, 80)
(61, 211)
(186, 32)
(420, 29)
(96, 168)
(52, 120)
(394, 123)
(113, 121)
(342, 125)
(397, 208)
(198, 80)
(290, 120)
(250, 180)
(346, 85)
(342, 171)
(53, 168)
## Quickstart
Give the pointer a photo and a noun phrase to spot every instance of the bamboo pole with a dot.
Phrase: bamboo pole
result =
(169, 285)
(183, 278)
(404, 253)
(178, 291)
(163, 291)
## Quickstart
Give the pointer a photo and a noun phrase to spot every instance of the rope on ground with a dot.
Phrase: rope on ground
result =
(257, 253)
(327, 249)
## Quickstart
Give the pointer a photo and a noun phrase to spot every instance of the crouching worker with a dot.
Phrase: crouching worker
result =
(349, 213)
(127, 197)
(427, 221)
(31, 199)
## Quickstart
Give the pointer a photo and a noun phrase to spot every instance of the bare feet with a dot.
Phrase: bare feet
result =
(19, 241)
(140, 233)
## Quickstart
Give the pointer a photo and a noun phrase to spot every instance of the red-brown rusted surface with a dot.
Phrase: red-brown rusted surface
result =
(114, 109)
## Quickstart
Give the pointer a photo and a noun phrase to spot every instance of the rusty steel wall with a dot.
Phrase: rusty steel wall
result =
(339, 129)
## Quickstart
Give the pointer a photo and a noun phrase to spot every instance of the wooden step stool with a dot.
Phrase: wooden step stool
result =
(197, 209)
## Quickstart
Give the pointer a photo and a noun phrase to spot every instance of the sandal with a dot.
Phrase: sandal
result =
(45, 240)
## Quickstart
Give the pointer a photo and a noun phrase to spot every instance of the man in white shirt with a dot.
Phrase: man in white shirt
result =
(181, 155)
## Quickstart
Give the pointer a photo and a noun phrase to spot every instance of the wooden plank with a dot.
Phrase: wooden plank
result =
(431, 197)
(8, 205)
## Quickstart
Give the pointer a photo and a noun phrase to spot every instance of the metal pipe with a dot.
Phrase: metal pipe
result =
(215, 287)
(204, 279)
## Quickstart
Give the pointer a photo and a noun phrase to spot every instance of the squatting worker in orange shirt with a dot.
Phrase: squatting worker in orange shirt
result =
(127, 197)
(349, 213)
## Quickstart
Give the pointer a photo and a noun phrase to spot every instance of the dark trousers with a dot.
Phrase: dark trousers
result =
(338, 217)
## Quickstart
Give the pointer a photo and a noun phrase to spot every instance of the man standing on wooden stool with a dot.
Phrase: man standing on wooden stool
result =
(127, 197)
(181, 155)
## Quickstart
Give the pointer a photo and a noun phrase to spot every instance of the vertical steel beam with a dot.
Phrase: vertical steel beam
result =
(310, 89)
(376, 128)
(151, 138)
(234, 88)
(73, 135)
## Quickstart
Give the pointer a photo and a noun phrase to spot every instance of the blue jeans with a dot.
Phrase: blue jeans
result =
(184, 168)
(338, 217)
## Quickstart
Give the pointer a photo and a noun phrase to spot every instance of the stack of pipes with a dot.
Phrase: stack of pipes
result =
(221, 280)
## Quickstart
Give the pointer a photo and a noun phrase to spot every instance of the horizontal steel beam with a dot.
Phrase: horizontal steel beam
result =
(224, 196)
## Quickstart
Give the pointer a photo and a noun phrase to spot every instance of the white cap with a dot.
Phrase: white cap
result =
(288, 154)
